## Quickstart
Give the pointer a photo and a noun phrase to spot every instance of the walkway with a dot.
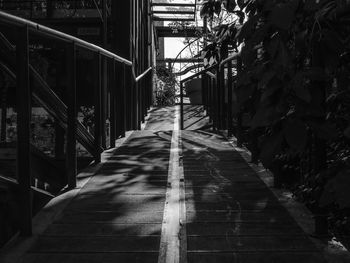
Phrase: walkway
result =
(208, 201)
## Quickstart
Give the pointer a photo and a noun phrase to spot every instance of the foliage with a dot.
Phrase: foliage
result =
(166, 86)
(295, 84)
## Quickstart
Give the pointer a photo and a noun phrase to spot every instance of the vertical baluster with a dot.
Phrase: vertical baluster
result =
(23, 96)
(181, 107)
(103, 101)
(229, 99)
(239, 134)
(3, 120)
(97, 117)
(71, 153)
(122, 101)
(112, 104)
(216, 92)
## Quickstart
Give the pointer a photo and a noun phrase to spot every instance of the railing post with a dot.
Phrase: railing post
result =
(122, 101)
(3, 121)
(221, 97)
(181, 107)
(239, 133)
(229, 99)
(211, 100)
(23, 131)
(103, 101)
(204, 91)
(138, 105)
(216, 99)
(71, 151)
(112, 105)
(97, 117)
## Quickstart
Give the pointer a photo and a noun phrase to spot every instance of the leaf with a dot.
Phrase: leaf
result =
(283, 15)
(283, 58)
(230, 5)
(217, 7)
(241, 16)
(265, 116)
(248, 54)
(273, 45)
(295, 133)
(270, 148)
(247, 29)
(244, 93)
(337, 190)
(301, 91)
(242, 3)
(325, 130)
(347, 132)
(312, 5)
(315, 74)
(271, 87)
(268, 75)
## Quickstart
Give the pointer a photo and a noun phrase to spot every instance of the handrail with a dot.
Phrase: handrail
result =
(212, 75)
(59, 110)
(188, 69)
(137, 79)
(199, 73)
(228, 59)
(7, 18)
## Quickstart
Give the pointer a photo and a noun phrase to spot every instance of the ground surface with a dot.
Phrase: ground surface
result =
(229, 214)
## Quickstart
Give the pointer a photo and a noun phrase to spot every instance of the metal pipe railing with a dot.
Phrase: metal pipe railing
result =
(141, 76)
(199, 73)
(128, 97)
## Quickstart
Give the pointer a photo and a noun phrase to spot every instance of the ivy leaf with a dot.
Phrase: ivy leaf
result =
(273, 45)
(337, 190)
(244, 93)
(315, 74)
(217, 7)
(247, 29)
(295, 133)
(264, 116)
(268, 75)
(270, 148)
(248, 54)
(325, 130)
(230, 5)
(241, 16)
(272, 86)
(242, 3)
(312, 5)
(347, 132)
(301, 91)
(283, 15)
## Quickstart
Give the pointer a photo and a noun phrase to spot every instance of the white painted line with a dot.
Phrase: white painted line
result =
(177, 118)
(173, 218)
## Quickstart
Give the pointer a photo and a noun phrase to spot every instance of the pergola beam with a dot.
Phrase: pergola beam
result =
(155, 18)
(173, 12)
(174, 5)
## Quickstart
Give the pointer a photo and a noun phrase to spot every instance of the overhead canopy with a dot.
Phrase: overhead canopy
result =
(181, 10)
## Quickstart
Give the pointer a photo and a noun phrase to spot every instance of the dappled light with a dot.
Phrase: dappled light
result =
(174, 131)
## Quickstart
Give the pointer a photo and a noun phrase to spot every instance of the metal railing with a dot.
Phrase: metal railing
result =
(217, 94)
(208, 82)
(129, 98)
